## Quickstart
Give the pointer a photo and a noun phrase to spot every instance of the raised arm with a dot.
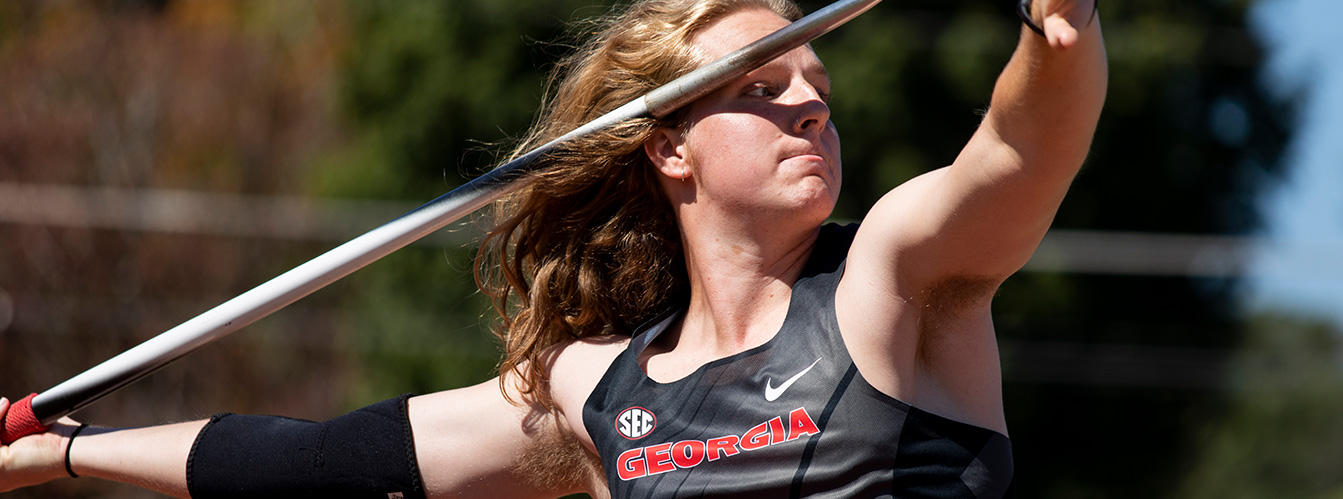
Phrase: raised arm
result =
(914, 300)
(983, 216)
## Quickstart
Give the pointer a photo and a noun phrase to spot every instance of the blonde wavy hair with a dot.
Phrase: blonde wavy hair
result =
(591, 246)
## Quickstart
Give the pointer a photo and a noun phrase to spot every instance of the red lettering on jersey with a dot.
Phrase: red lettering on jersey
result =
(776, 435)
(630, 464)
(722, 447)
(756, 438)
(800, 423)
(687, 453)
(659, 458)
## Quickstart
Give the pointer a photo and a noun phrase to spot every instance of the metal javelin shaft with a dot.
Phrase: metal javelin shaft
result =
(145, 358)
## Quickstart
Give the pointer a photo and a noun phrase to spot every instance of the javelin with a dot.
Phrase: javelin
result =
(38, 411)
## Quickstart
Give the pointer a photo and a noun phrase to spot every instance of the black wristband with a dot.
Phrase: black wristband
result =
(1024, 12)
(68, 446)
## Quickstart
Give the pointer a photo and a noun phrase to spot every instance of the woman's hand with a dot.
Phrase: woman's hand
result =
(34, 459)
(1062, 20)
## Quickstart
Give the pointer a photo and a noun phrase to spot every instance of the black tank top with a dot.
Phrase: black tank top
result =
(790, 418)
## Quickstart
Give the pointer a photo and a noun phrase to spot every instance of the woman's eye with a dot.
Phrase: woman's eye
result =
(760, 90)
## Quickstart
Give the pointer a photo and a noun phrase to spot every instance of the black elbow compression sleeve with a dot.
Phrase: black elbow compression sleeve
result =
(366, 453)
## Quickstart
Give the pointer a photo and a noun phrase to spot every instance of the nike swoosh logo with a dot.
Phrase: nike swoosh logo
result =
(772, 393)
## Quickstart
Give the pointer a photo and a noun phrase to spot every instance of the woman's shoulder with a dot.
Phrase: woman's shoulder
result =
(584, 354)
(578, 365)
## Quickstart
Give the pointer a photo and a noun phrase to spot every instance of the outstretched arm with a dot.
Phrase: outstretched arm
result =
(468, 442)
(152, 458)
(496, 448)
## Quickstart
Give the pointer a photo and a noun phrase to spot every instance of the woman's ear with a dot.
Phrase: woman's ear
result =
(667, 152)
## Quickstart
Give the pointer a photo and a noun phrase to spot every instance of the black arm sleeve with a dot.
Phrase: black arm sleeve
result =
(366, 453)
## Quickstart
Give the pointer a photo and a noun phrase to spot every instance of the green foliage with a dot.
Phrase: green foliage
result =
(1282, 434)
(427, 82)
(431, 91)
(418, 325)
(971, 51)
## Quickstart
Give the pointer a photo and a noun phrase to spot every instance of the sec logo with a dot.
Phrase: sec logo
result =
(636, 422)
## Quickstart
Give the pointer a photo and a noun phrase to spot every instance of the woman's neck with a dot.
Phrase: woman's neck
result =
(740, 289)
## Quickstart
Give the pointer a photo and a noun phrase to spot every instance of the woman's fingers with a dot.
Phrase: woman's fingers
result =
(1060, 32)
(32, 459)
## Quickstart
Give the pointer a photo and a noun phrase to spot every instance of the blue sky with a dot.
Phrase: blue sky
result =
(1301, 266)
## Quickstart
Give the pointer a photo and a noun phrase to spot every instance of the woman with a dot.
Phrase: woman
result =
(775, 356)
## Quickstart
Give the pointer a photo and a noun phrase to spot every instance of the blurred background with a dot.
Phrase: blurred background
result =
(1177, 334)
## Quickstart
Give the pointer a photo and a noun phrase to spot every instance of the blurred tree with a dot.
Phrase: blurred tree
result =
(431, 89)
(1282, 435)
(128, 97)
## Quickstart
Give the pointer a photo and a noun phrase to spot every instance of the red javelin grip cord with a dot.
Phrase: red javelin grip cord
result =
(20, 421)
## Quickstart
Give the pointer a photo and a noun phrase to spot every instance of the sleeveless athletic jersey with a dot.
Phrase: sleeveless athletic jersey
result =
(790, 418)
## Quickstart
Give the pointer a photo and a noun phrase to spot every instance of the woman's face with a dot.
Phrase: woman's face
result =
(764, 141)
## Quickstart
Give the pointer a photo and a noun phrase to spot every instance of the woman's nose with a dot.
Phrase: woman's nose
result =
(812, 111)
